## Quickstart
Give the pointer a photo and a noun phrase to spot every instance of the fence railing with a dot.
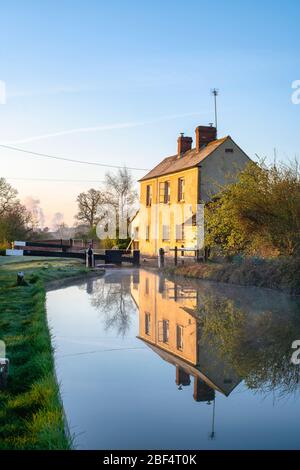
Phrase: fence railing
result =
(198, 256)
(61, 250)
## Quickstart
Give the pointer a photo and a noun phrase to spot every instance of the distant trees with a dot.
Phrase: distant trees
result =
(37, 213)
(60, 228)
(258, 214)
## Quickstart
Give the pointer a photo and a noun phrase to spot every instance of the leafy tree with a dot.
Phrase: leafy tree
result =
(89, 207)
(223, 229)
(7, 196)
(15, 219)
(262, 209)
(257, 347)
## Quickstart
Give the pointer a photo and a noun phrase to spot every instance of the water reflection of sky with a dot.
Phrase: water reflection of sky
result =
(140, 357)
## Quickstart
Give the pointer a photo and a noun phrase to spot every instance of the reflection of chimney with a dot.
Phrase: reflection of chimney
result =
(205, 135)
(184, 144)
(202, 391)
(182, 377)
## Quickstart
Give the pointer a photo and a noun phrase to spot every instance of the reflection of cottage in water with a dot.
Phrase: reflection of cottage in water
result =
(168, 324)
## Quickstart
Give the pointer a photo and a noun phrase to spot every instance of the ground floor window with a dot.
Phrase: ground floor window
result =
(166, 232)
(179, 232)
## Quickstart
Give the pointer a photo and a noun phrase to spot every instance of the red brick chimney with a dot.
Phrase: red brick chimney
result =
(202, 391)
(184, 144)
(204, 135)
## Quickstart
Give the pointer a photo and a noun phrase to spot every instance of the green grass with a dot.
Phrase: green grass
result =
(31, 414)
(20, 259)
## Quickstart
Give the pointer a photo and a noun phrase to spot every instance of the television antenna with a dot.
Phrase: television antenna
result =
(215, 93)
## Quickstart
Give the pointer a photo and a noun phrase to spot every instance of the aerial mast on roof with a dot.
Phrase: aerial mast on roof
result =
(215, 93)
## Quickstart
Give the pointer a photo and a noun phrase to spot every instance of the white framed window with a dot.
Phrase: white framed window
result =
(164, 192)
(149, 195)
(179, 232)
(165, 325)
(167, 192)
(163, 331)
(166, 232)
(180, 189)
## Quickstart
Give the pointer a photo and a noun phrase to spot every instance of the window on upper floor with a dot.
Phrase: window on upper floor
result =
(149, 195)
(167, 192)
(180, 189)
(163, 331)
(164, 192)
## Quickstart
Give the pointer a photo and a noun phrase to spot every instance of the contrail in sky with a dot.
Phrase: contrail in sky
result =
(124, 125)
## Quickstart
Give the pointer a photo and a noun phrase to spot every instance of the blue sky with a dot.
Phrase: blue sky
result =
(138, 73)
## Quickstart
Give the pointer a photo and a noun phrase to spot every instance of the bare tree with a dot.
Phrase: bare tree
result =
(115, 303)
(120, 188)
(121, 193)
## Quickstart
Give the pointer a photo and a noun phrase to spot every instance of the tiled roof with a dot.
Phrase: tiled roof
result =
(189, 159)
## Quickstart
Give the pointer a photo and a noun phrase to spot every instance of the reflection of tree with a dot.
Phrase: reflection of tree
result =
(258, 346)
(115, 302)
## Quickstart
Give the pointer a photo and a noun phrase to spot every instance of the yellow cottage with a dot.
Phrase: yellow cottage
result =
(170, 194)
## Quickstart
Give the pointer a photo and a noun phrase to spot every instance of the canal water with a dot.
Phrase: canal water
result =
(149, 363)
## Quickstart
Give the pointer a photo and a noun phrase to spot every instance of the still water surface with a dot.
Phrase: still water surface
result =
(149, 363)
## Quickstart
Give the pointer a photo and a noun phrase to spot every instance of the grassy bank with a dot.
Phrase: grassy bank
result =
(31, 414)
(280, 274)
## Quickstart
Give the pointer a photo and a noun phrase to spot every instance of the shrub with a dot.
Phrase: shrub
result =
(259, 214)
